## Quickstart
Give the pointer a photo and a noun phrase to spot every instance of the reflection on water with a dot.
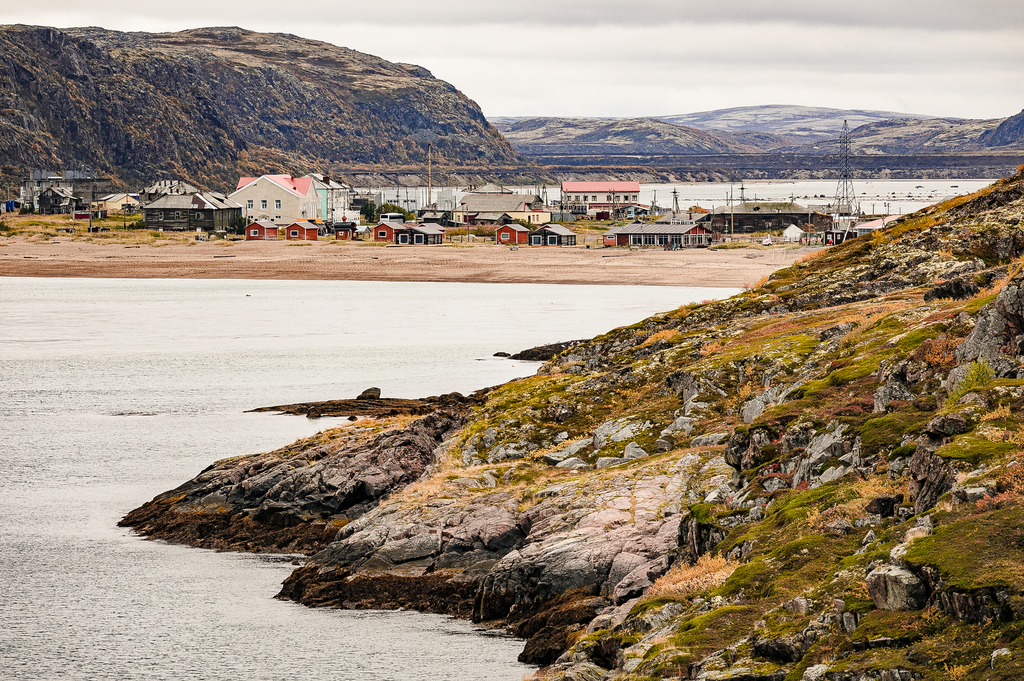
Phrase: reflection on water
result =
(112, 391)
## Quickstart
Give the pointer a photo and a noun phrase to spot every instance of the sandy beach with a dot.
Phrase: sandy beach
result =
(365, 262)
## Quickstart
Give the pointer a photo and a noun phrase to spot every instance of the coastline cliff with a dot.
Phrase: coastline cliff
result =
(820, 478)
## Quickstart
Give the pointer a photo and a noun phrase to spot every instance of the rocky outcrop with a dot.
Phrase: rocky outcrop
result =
(895, 588)
(311, 487)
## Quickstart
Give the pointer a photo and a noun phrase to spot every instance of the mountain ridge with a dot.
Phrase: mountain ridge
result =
(211, 104)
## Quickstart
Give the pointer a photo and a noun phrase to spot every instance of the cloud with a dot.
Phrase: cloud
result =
(598, 58)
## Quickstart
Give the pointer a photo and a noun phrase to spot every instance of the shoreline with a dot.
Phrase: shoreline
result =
(455, 263)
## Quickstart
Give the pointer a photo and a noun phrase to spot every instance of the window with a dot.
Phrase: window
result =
(263, 204)
(504, 236)
(662, 239)
(295, 232)
(277, 217)
(608, 197)
(636, 239)
(648, 239)
(382, 234)
(277, 204)
(199, 216)
(248, 204)
(254, 232)
(177, 215)
(159, 215)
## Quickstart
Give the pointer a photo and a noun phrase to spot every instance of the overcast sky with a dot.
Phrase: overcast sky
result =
(643, 57)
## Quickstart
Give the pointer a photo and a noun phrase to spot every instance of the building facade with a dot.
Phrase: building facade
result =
(488, 209)
(580, 198)
(199, 212)
(281, 199)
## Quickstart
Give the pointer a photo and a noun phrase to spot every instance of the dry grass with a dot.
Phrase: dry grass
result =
(998, 414)
(661, 335)
(681, 583)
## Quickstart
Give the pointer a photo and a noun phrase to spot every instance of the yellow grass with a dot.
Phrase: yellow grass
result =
(681, 582)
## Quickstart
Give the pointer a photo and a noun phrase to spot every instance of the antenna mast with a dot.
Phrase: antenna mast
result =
(430, 187)
(846, 198)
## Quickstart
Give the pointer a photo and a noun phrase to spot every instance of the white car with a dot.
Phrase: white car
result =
(767, 241)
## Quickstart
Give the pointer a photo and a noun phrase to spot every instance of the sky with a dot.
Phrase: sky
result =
(643, 57)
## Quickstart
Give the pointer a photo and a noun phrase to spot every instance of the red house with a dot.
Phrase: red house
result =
(301, 231)
(261, 230)
(344, 230)
(512, 234)
(385, 231)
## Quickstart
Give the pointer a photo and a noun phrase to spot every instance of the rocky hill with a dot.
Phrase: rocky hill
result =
(800, 123)
(210, 105)
(914, 136)
(818, 479)
(596, 136)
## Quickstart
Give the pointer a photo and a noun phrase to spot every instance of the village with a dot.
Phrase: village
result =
(317, 207)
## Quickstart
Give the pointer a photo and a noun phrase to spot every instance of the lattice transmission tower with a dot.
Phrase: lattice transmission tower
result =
(845, 204)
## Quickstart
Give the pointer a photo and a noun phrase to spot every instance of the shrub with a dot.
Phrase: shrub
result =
(709, 572)
(978, 374)
(26, 210)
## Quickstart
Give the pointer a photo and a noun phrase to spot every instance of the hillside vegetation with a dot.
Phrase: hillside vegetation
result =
(210, 105)
(820, 478)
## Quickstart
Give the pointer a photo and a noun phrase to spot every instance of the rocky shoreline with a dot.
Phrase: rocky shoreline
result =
(819, 479)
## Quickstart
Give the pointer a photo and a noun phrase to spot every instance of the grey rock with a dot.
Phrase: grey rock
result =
(553, 458)
(833, 473)
(634, 451)
(947, 424)
(606, 461)
(617, 430)
(839, 526)
(572, 462)
(891, 391)
(683, 423)
(869, 538)
(996, 654)
(895, 588)
(709, 440)
(664, 444)
(884, 506)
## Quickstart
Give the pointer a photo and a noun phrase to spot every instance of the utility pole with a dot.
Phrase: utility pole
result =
(430, 186)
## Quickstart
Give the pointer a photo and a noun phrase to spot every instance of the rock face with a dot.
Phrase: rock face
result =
(213, 104)
(292, 488)
(895, 588)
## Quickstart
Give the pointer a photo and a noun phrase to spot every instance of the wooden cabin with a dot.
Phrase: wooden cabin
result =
(684, 234)
(301, 231)
(261, 230)
(512, 234)
(344, 230)
(553, 235)
(420, 235)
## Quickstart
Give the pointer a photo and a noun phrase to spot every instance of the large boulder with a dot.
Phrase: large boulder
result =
(896, 588)
(931, 477)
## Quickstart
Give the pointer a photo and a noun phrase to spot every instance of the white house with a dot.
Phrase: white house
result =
(281, 199)
(792, 234)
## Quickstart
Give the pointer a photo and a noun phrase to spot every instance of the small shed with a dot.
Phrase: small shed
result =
(421, 235)
(793, 234)
(301, 231)
(261, 230)
(344, 230)
(386, 230)
(512, 234)
(553, 235)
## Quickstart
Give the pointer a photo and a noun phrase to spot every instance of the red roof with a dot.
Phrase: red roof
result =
(620, 187)
(298, 185)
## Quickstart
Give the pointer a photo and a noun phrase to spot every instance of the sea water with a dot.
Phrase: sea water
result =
(112, 391)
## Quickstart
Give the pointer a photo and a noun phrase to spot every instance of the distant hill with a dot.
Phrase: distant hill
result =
(802, 123)
(211, 104)
(910, 136)
(596, 136)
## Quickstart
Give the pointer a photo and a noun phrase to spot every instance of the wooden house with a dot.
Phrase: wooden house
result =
(423, 235)
(385, 231)
(344, 230)
(553, 235)
(261, 230)
(678, 234)
(301, 231)
(198, 212)
(58, 201)
(512, 234)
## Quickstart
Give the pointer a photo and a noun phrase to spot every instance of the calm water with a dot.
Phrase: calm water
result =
(112, 391)
(875, 196)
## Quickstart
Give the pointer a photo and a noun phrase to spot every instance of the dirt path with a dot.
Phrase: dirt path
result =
(363, 262)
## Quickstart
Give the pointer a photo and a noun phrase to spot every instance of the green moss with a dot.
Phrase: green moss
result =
(881, 433)
(978, 374)
(901, 626)
(977, 551)
(975, 449)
